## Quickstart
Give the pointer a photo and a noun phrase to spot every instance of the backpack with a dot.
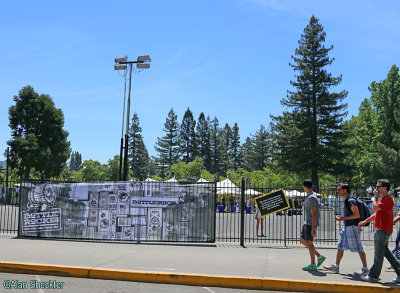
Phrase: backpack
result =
(363, 209)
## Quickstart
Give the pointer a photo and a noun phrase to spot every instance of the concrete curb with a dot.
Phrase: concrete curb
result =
(192, 279)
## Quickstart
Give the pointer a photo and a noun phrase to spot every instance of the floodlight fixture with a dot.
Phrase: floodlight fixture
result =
(143, 65)
(121, 59)
(145, 58)
(120, 67)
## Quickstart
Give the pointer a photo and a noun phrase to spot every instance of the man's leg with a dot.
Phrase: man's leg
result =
(380, 239)
(339, 256)
(311, 249)
(258, 223)
(392, 260)
(262, 226)
(363, 258)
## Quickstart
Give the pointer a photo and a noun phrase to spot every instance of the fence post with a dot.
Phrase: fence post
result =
(242, 208)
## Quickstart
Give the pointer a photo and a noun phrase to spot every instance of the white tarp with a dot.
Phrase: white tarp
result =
(227, 187)
(251, 192)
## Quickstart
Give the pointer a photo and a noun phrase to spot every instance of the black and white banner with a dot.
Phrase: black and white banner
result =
(136, 211)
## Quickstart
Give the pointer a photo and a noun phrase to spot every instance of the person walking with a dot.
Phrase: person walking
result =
(309, 232)
(350, 235)
(259, 219)
(382, 205)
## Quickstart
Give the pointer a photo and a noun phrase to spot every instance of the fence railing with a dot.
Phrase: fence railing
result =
(281, 228)
(285, 227)
(9, 210)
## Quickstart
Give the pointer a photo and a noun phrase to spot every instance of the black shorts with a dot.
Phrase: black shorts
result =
(306, 232)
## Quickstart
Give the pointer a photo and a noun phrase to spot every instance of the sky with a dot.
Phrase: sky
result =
(226, 58)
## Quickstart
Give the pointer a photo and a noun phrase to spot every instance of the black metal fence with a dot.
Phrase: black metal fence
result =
(285, 227)
(236, 222)
(9, 210)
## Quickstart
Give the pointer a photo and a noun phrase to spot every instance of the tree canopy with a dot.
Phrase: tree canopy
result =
(38, 140)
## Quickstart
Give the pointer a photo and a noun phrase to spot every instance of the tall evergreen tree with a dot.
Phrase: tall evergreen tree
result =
(235, 151)
(138, 155)
(75, 162)
(215, 146)
(168, 145)
(226, 148)
(188, 139)
(203, 140)
(261, 148)
(247, 150)
(308, 138)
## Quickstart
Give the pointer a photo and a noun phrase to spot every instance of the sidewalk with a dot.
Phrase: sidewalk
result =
(220, 264)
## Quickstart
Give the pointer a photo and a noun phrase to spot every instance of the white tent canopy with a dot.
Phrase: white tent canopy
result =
(173, 179)
(150, 180)
(251, 192)
(202, 180)
(227, 187)
(294, 193)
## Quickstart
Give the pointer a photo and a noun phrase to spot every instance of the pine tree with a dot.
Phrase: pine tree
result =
(235, 151)
(188, 139)
(75, 163)
(247, 150)
(138, 155)
(168, 145)
(225, 148)
(261, 152)
(215, 146)
(309, 136)
(203, 140)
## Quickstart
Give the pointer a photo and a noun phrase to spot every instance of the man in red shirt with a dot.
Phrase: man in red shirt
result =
(383, 217)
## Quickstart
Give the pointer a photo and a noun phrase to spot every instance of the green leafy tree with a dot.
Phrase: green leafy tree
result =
(386, 97)
(191, 171)
(112, 173)
(168, 145)
(91, 171)
(188, 139)
(312, 126)
(38, 139)
(138, 155)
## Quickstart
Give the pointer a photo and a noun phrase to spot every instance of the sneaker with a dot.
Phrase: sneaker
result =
(262, 235)
(332, 268)
(363, 272)
(367, 278)
(320, 260)
(310, 268)
(397, 280)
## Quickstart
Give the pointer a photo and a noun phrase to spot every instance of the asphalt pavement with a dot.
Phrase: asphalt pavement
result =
(260, 267)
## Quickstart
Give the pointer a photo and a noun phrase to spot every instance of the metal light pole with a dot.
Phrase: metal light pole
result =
(142, 62)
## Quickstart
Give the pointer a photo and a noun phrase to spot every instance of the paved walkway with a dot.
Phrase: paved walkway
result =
(220, 264)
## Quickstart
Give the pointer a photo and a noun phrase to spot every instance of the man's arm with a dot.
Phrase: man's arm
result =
(363, 223)
(314, 222)
(355, 215)
(375, 206)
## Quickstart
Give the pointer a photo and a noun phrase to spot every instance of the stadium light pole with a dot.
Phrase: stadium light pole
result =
(121, 63)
